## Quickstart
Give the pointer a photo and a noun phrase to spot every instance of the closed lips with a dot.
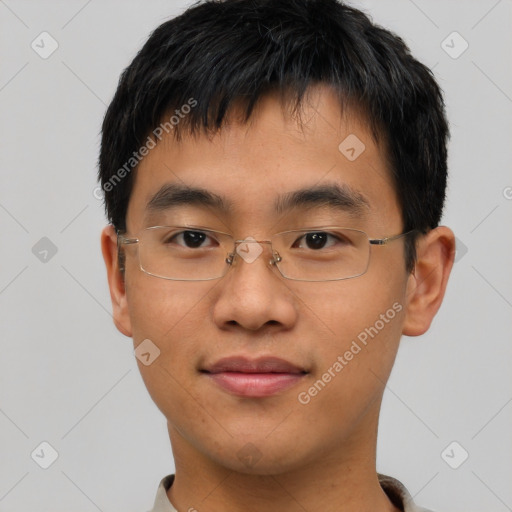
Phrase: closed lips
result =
(260, 365)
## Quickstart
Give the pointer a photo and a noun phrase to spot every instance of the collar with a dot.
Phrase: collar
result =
(396, 491)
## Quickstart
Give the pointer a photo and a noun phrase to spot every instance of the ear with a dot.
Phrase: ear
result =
(115, 281)
(427, 284)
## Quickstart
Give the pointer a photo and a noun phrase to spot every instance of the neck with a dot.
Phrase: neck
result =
(339, 481)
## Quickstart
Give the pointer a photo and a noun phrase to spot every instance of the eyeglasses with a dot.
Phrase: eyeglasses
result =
(185, 253)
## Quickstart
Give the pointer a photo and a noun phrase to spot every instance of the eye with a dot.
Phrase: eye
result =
(191, 239)
(318, 240)
(313, 241)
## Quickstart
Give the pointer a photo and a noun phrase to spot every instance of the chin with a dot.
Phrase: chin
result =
(263, 466)
(260, 457)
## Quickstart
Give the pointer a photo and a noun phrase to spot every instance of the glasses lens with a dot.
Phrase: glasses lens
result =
(183, 253)
(194, 254)
(327, 254)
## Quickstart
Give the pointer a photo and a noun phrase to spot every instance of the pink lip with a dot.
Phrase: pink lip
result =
(254, 378)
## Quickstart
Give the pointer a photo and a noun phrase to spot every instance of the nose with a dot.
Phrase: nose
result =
(252, 295)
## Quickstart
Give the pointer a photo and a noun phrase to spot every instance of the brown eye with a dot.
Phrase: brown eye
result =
(190, 239)
(316, 240)
(193, 238)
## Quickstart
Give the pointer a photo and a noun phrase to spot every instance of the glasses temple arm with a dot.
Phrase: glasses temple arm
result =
(384, 241)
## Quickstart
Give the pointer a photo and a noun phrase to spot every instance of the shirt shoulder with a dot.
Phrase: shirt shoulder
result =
(399, 495)
(162, 503)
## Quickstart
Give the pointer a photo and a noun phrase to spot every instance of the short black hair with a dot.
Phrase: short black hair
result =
(224, 53)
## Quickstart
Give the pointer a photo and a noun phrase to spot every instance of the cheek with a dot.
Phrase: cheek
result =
(341, 310)
(164, 310)
(358, 326)
(170, 314)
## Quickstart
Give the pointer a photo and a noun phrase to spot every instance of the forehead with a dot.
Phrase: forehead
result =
(254, 168)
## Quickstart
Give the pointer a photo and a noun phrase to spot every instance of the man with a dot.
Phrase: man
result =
(274, 174)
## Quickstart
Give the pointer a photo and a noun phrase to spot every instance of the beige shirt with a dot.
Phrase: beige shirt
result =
(396, 492)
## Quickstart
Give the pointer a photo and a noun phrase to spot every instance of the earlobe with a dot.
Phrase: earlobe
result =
(427, 284)
(115, 281)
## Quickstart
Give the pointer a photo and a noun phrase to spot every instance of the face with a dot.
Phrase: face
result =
(335, 341)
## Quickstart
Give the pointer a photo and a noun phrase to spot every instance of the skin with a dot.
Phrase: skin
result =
(318, 456)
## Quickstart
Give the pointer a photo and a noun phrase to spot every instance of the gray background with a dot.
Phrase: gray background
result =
(69, 378)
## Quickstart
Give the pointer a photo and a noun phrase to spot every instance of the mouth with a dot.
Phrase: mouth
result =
(254, 378)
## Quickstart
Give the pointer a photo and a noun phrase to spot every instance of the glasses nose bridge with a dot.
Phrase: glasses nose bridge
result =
(251, 240)
(248, 255)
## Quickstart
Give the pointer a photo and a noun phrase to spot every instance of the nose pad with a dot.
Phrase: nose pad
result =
(230, 259)
(276, 258)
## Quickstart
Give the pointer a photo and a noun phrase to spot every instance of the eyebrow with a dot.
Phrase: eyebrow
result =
(339, 197)
(172, 195)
